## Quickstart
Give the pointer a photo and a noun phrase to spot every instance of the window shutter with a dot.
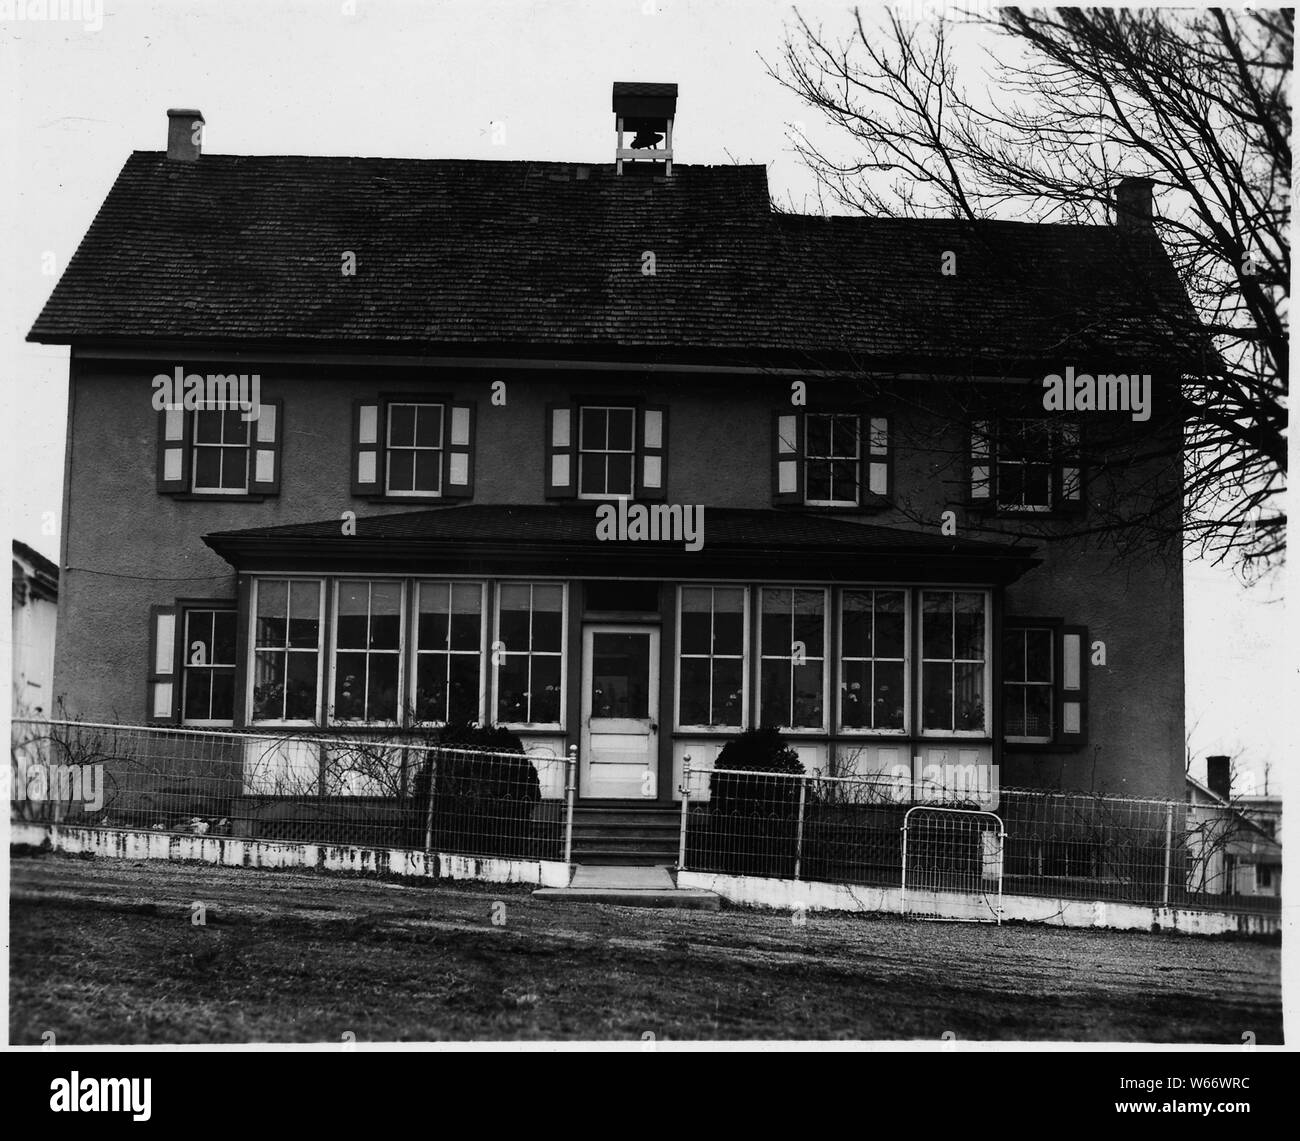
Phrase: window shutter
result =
(561, 451)
(877, 462)
(653, 460)
(175, 427)
(267, 433)
(1069, 470)
(982, 469)
(160, 708)
(787, 458)
(458, 453)
(1072, 691)
(367, 447)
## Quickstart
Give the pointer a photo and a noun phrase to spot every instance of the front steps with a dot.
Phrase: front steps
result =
(629, 887)
(627, 833)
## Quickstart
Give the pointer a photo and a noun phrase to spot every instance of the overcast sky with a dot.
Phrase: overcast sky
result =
(419, 80)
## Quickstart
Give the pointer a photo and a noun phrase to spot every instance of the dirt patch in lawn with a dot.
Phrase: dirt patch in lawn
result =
(109, 951)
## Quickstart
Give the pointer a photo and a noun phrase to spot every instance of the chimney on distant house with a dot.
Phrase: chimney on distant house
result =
(184, 134)
(646, 111)
(1218, 776)
(1133, 209)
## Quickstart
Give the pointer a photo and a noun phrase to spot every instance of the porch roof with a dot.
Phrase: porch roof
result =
(562, 539)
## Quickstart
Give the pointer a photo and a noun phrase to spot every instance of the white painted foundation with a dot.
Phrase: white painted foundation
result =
(237, 852)
(789, 895)
(751, 891)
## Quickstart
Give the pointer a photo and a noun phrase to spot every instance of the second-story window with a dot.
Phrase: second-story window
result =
(413, 447)
(1026, 466)
(835, 459)
(606, 451)
(220, 450)
(831, 458)
(599, 450)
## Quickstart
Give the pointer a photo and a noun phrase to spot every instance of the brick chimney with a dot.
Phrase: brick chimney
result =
(184, 134)
(1133, 203)
(1218, 776)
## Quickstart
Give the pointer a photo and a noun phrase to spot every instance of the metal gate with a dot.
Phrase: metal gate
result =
(952, 864)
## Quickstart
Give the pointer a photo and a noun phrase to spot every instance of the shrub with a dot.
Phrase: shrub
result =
(481, 803)
(753, 805)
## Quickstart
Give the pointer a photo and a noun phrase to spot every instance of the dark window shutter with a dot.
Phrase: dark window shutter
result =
(983, 465)
(561, 451)
(1072, 687)
(652, 471)
(877, 455)
(175, 429)
(787, 458)
(367, 447)
(1068, 474)
(162, 695)
(458, 452)
(267, 437)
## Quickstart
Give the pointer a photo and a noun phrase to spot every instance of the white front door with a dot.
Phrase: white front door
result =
(620, 712)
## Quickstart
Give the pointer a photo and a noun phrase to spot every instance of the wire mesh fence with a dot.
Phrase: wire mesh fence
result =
(1064, 845)
(953, 850)
(357, 790)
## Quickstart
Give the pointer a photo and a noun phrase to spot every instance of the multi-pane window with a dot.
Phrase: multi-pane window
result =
(448, 651)
(792, 658)
(832, 458)
(873, 639)
(606, 451)
(367, 650)
(528, 653)
(1028, 682)
(953, 661)
(413, 449)
(286, 649)
(711, 674)
(208, 667)
(1024, 464)
(221, 447)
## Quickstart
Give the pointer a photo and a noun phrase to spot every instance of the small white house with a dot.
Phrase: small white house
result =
(35, 611)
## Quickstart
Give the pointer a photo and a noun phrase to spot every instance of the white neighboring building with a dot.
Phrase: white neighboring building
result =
(35, 611)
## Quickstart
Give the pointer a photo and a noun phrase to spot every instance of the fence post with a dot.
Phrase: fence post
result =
(685, 790)
(798, 832)
(570, 788)
(1169, 849)
(434, 756)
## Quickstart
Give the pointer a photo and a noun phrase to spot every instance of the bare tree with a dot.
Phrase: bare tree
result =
(1197, 101)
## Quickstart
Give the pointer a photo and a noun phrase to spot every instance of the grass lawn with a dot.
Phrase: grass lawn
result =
(107, 951)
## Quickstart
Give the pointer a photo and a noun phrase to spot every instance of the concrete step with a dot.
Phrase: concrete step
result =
(650, 886)
(625, 857)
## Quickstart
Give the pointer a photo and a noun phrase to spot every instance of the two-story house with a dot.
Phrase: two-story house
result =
(613, 454)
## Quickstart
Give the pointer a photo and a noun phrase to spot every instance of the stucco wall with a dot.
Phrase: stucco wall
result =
(126, 547)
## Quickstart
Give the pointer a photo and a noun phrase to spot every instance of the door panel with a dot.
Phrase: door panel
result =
(620, 712)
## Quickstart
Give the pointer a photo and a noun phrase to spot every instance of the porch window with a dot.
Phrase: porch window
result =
(792, 658)
(1028, 679)
(448, 651)
(208, 668)
(367, 663)
(528, 654)
(954, 662)
(606, 451)
(873, 667)
(287, 649)
(711, 662)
